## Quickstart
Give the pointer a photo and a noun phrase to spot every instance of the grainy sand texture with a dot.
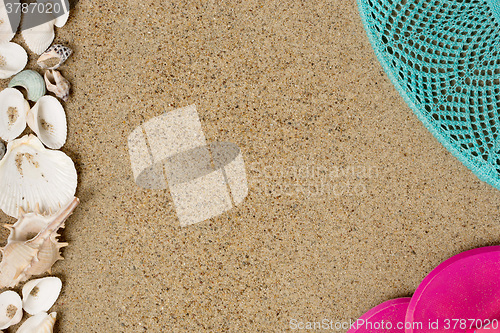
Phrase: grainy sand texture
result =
(351, 200)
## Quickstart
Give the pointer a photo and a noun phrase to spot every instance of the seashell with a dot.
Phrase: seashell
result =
(30, 80)
(61, 20)
(2, 150)
(57, 84)
(54, 57)
(24, 258)
(8, 21)
(48, 120)
(39, 295)
(13, 58)
(39, 323)
(13, 111)
(11, 309)
(30, 174)
(39, 38)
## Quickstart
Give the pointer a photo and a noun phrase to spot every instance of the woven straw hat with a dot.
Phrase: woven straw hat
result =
(443, 56)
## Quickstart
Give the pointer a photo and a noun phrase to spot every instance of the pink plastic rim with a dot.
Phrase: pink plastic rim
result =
(460, 294)
(384, 317)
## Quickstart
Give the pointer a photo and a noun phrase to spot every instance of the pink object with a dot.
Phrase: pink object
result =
(462, 294)
(386, 317)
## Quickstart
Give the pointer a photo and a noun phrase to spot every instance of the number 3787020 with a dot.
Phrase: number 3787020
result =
(34, 8)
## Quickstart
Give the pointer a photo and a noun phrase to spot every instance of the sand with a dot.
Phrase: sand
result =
(351, 200)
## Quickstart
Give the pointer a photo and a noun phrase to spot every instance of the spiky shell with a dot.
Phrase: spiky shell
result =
(57, 84)
(39, 323)
(23, 259)
(40, 294)
(13, 112)
(39, 38)
(13, 58)
(32, 175)
(48, 120)
(32, 81)
(11, 309)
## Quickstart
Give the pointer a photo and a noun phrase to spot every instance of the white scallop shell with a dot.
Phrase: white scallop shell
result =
(39, 323)
(32, 175)
(11, 309)
(48, 120)
(39, 38)
(13, 112)
(13, 58)
(39, 295)
(6, 31)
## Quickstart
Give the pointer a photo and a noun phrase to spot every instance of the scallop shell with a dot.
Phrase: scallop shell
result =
(39, 295)
(39, 323)
(13, 58)
(48, 120)
(32, 81)
(61, 20)
(56, 52)
(7, 20)
(39, 38)
(30, 174)
(57, 84)
(13, 111)
(25, 258)
(11, 309)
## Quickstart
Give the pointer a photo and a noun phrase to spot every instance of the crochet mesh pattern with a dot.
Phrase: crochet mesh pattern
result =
(443, 57)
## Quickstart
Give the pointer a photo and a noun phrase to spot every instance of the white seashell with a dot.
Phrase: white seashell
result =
(54, 57)
(61, 20)
(57, 84)
(6, 30)
(48, 120)
(24, 257)
(39, 323)
(13, 111)
(30, 80)
(2, 150)
(39, 38)
(30, 174)
(39, 295)
(11, 309)
(13, 58)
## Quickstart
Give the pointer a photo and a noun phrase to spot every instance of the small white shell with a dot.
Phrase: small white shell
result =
(32, 81)
(57, 84)
(39, 38)
(13, 58)
(39, 323)
(61, 20)
(56, 52)
(40, 294)
(30, 174)
(11, 309)
(6, 20)
(13, 111)
(48, 120)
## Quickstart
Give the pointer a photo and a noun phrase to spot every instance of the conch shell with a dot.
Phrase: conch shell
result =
(54, 57)
(57, 84)
(23, 256)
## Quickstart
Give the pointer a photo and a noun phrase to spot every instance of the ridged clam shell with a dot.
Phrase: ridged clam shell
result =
(39, 38)
(13, 58)
(23, 259)
(6, 20)
(39, 323)
(48, 120)
(57, 84)
(40, 294)
(13, 112)
(32, 81)
(56, 52)
(11, 309)
(32, 175)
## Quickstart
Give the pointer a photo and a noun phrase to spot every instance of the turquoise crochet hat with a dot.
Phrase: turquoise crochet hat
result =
(443, 56)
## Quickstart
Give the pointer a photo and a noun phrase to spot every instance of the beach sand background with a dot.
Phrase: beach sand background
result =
(351, 200)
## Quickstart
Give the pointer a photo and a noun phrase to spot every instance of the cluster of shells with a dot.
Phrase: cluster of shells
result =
(37, 182)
